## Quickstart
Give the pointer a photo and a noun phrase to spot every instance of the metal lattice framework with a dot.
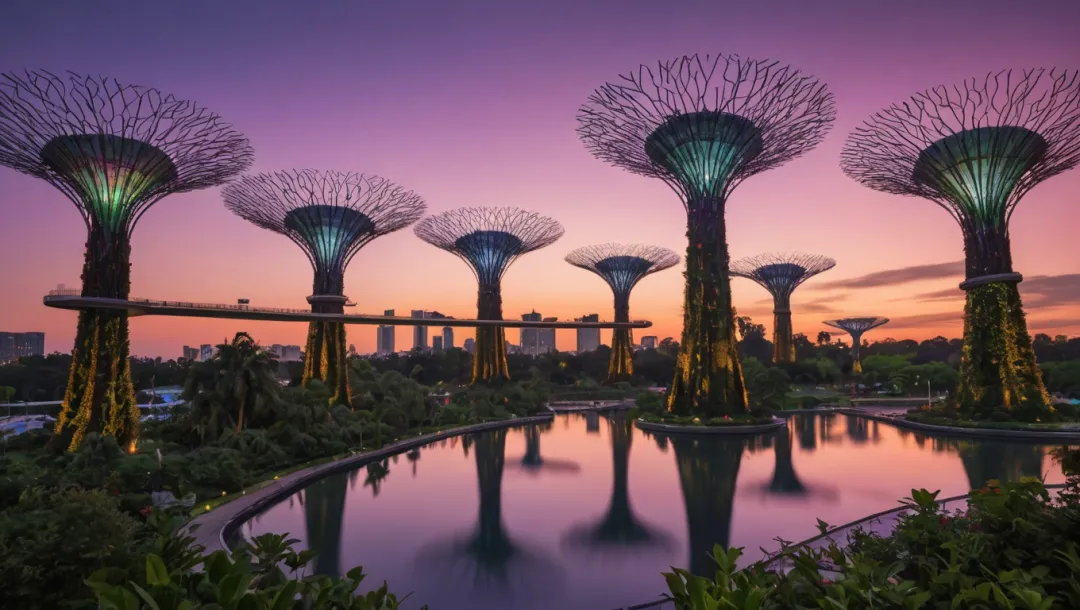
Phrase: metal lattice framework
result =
(622, 266)
(781, 274)
(489, 240)
(975, 150)
(703, 124)
(856, 327)
(331, 215)
(114, 150)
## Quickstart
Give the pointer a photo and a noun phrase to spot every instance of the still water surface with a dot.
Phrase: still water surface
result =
(585, 512)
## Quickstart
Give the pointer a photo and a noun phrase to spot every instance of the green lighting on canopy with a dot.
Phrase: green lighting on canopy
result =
(979, 168)
(111, 174)
(704, 149)
(329, 230)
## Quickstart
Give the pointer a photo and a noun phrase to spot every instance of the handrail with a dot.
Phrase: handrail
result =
(73, 299)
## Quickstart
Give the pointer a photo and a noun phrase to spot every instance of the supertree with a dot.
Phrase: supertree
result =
(703, 124)
(331, 215)
(324, 513)
(975, 150)
(114, 150)
(856, 327)
(622, 267)
(489, 240)
(781, 274)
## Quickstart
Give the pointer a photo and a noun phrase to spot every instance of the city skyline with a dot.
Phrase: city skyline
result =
(896, 257)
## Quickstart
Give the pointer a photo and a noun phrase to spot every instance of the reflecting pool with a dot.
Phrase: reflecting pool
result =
(585, 512)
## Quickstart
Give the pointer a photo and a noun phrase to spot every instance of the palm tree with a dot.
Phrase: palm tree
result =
(236, 384)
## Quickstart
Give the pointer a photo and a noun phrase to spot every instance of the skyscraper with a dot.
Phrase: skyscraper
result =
(547, 338)
(419, 333)
(448, 338)
(470, 345)
(191, 353)
(436, 343)
(206, 351)
(530, 337)
(649, 342)
(588, 339)
(385, 337)
(18, 345)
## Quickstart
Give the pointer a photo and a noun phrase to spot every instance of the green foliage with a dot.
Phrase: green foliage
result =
(650, 402)
(1014, 547)
(879, 367)
(54, 538)
(767, 386)
(265, 575)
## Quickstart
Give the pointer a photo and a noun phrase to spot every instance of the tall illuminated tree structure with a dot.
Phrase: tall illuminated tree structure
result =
(114, 150)
(489, 240)
(331, 215)
(622, 267)
(976, 150)
(703, 124)
(856, 327)
(781, 274)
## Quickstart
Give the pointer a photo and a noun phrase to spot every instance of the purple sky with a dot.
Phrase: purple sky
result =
(473, 103)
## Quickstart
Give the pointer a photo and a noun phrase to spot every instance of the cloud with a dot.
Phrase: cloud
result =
(891, 277)
(921, 320)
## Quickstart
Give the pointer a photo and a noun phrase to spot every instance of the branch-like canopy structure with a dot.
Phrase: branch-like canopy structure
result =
(331, 215)
(976, 149)
(622, 267)
(114, 150)
(856, 327)
(781, 274)
(489, 240)
(703, 124)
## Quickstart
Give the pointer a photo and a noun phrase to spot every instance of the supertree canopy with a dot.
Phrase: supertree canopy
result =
(114, 150)
(622, 267)
(330, 215)
(976, 150)
(703, 124)
(856, 327)
(489, 240)
(781, 274)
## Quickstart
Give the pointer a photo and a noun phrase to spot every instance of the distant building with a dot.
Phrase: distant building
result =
(384, 338)
(448, 338)
(206, 352)
(290, 353)
(470, 345)
(649, 342)
(588, 339)
(436, 343)
(530, 337)
(18, 345)
(419, 333)
(191, 354)
(547, 339)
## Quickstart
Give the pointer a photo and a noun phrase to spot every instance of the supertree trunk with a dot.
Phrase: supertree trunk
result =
(489, 361)
(856, 348)
(621, 365)
(997, 366)
(708, 374)
(100, 395)
(783, 346)
(325, 356)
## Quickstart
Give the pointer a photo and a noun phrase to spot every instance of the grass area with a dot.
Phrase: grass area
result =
(748, 420)
(990, 425)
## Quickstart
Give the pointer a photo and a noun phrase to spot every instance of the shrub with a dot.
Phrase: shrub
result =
(650, 402)
(54, 539)
(216, 468)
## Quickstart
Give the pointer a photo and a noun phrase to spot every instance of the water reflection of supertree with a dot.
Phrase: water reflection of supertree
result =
(875, 432)
(806, 430)
(708, 468)
(984, 461)
(785, 482)
(828, 429)
(533, 461)
(619, 527)
(858, 429)
(324, 511)
(487, 552)
(592, 422)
